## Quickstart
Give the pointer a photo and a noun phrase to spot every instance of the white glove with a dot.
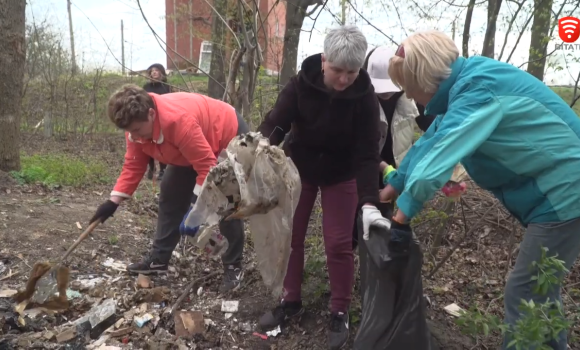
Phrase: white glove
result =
(371, 216)
(197, 190)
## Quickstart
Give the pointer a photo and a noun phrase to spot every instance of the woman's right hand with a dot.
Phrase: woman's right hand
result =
(388, 194)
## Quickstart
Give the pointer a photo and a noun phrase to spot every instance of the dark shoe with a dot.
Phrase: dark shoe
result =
(280, 314)
(232, 279)
(147, 266)
(338, 331)
(160, 175)
(150, 174)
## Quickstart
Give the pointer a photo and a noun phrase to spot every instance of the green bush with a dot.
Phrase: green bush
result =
(60, 169)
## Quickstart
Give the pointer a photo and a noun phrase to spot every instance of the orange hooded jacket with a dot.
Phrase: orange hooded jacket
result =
(190, 129)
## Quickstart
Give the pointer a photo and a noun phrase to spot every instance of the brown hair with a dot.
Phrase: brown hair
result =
(129, 104)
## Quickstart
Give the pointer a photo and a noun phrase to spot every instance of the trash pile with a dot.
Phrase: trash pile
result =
(109, 309)
(256, 181)
(112, 310)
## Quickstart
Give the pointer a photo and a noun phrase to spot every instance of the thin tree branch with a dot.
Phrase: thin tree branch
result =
(509, 28)
(448, 255)
(219, 15)
(158, 38)
(315, 19)
(369, 23)
(113, 55)
(308, 14)
(538, 59)
(520, 37)
(399, 17)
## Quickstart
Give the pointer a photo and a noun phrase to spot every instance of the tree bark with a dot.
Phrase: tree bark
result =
(467, 28)
(12, 58)
(216, 68)
(295, 13)
(493, 8)
(540, 38)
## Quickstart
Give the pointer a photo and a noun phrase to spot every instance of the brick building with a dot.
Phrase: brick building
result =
(188, 32)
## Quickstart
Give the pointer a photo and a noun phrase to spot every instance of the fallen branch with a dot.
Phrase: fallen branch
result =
(448, 255)
(189, 288)
(10, 274)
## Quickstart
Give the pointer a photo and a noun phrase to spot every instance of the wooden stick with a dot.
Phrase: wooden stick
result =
(189, 288)
(81, 238)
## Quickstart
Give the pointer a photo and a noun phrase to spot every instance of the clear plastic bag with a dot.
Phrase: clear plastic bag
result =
(265, 187)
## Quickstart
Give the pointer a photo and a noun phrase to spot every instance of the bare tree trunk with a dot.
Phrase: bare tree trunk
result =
(218, 58)
(122, 48)
(295, 13)
(12, 58)
(343, 6)
(72, 39)
(467, 28)
(493, 8)
(540, 38)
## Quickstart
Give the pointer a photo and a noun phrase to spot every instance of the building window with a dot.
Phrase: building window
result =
(205, 57)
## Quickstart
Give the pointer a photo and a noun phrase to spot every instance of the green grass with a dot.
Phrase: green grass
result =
(60, 169)
(567, 94)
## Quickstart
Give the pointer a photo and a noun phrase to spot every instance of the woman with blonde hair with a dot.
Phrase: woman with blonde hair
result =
(514, 136)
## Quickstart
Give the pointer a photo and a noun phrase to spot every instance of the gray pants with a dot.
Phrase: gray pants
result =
(562, 238)
(176, 195)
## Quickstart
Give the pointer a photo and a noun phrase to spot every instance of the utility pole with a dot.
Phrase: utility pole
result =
(72, 39)
(122, 48)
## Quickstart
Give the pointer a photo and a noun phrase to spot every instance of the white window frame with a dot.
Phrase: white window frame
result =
(203, 49)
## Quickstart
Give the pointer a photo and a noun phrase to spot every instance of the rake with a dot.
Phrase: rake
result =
(48, 278)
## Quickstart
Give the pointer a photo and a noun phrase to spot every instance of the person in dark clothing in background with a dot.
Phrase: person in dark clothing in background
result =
(398, 117)
(156, 84)
(333, 112)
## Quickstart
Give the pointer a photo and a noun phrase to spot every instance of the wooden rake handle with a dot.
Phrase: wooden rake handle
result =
(81, 238)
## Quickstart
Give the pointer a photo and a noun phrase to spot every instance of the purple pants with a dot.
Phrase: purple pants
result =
(338, 211)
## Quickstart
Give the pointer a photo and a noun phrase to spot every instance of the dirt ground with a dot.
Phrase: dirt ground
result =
(39, 223)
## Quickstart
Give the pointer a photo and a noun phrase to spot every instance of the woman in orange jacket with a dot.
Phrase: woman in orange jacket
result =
(187, 131)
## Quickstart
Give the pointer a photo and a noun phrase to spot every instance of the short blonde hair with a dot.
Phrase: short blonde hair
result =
(129, 104)
(426, 62)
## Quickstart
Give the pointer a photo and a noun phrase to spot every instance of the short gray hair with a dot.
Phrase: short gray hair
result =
(346, 46)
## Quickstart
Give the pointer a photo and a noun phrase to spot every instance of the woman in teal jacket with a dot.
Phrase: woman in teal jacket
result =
(515, 137)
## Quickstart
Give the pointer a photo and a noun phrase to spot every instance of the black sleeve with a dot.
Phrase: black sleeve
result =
(423, 121)
(277, 122)
(367, 137)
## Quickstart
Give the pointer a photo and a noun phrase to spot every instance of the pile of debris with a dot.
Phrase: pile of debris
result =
(114, 310)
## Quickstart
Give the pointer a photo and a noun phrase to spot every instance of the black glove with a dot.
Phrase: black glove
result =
(401, 237)
(105, 211)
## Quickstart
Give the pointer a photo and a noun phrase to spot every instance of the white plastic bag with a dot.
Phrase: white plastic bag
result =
(265, 187)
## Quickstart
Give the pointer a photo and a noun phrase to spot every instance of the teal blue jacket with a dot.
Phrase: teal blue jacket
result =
(514, 136)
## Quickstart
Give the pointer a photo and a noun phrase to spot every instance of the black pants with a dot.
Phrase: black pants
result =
(176, 191)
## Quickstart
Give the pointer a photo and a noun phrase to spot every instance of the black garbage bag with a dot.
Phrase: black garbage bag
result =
(393, 307)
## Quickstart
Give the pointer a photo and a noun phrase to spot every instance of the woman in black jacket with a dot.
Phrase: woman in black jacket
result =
(333, 112)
